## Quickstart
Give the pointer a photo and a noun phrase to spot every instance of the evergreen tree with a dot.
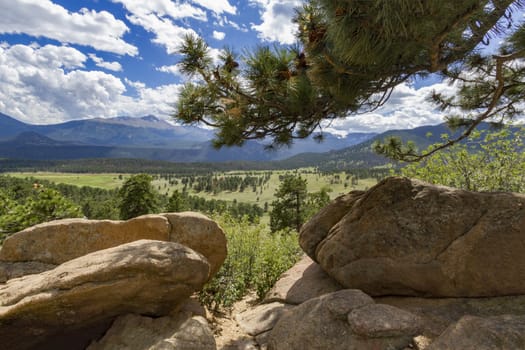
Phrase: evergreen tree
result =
(137, 197)
(288, 210)
(350, 55)
(177, 202)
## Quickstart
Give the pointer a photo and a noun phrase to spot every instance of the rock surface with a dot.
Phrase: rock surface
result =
(506, 332)
(407, 237)
(58, 241)
(201, 234)
(344, 320)
(144, 277)
(10, 270)
(437, 314)
(304, 281)
(178, 332)
(261, 318)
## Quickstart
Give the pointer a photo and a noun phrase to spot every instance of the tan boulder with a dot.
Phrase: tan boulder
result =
(315, 230)
(344, 320)
(178, 332)
(506, 332)
(201, 234)
(143, 277)
(407, 237)
(304, 281)
(58, 241)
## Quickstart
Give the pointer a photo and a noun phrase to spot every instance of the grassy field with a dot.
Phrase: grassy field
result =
(336, 184)
(106, 181)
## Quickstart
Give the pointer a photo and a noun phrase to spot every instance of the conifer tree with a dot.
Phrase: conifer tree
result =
(349, 57)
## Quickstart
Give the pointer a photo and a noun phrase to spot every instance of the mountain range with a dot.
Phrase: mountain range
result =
(148, 138)
(153, 139)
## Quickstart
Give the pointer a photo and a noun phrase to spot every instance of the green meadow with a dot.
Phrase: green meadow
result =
(335, 183)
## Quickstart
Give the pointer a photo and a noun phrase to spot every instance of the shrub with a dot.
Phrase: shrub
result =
(488, 161)
(256, 258)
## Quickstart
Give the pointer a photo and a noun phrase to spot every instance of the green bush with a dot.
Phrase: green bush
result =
(489, 161)
(256, 258)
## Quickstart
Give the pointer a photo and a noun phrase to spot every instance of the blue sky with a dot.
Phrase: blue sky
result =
(62, 60)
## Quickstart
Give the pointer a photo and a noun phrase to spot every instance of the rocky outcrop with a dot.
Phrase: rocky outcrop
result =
(407, 237)
(144, 277)
(347, 319)
(56, 242)
(261, 318)
(201, 234)
(436, 314)
(178, 332)
(506, 332)
(304, 281)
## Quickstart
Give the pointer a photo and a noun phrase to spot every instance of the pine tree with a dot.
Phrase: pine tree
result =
(137, 197)
(350, 55)
(289, 209)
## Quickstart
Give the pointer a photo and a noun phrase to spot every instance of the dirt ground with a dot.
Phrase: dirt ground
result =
(228, 335)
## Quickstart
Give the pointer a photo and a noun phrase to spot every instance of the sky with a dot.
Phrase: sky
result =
(64, 60)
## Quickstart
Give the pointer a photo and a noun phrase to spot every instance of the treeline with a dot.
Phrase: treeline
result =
(215, 184)
(28, 201)
(132, 166)
(137, 166)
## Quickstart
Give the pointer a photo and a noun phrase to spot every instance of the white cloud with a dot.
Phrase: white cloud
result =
(156, 16)
(173, 69)
(219, 35)
(175, 10)
(43, 18)
(158, 101)
(276, 16)
(114, 66)
(43, 85)
(407, 108)
(217, 6)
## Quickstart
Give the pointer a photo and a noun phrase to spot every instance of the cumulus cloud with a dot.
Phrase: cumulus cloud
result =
(276, 16)
(43, 18)
(173, 69)
(217, 6)
(157, 17)
(114, 66)
(42, 85)
(407, 108)
(219, 35)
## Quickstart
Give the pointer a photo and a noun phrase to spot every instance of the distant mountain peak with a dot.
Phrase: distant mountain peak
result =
(151, 118)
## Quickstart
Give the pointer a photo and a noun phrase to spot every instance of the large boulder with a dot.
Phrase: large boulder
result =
(64, 307)
(407, 237)
(56, 242)
(344, 320)
(201, 234)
